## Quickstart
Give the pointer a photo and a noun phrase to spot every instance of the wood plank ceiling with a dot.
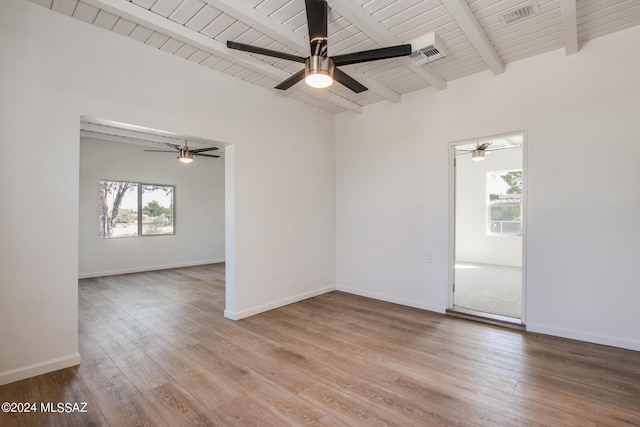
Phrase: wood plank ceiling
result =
(476, 34)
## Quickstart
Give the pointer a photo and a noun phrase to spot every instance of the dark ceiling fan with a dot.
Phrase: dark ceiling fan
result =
(319, 69)
(185, 154)
(478, 152)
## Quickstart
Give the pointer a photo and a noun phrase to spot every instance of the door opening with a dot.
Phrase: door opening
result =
(487, 235)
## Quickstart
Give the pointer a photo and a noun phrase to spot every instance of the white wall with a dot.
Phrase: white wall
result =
(581, 114)
(473, 244)
(53, 70)
(199, 210)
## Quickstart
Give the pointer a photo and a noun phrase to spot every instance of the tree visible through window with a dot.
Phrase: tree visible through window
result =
(504, 190)
(157, 209)
(130, 209)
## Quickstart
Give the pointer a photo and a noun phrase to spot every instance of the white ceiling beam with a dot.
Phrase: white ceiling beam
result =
(463, 15)
(377, 87)
(92, 126)
(245, 13)
(90, 129)
(364, 21)
(569, 25)
(179, 32)
(325, 95)
(335, 99)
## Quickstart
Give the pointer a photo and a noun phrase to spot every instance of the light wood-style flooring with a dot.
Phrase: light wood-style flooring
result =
(157, 351)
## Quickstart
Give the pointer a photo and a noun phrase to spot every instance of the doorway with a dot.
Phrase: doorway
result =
(488, 230)
(202, 200)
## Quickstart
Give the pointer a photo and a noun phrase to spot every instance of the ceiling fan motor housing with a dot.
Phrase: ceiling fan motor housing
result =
(185, 155)
(316, 65)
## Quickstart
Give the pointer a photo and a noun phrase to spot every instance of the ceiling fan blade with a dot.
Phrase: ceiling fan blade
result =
(372, 55)
(262, 51)
(502, 148)
(200, 150)
(161, 151)
(483, 146)
(345, 79)
(316, 19)
(205, 155)
(295, 78)
(174, 146)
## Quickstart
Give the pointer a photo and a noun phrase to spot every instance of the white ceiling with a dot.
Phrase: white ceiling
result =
(109, 130)
(473, 32)
(501, 142)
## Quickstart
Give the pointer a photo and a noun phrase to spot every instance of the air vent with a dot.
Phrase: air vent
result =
(428, 54)
(520, 13)
(427, 49)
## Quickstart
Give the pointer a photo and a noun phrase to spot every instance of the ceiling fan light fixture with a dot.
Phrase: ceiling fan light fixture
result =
(477, 155)
(318, 80)
(185, 156)
(319, 71)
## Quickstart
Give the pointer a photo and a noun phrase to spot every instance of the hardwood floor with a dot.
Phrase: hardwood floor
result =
(157, 351)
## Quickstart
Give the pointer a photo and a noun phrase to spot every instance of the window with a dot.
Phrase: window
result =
(157, 209)
(504, 202)
(131, 209)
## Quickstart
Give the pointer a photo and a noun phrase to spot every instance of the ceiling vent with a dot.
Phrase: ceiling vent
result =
(427, 49)
(520, 13)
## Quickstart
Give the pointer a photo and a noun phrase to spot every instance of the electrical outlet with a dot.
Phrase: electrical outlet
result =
(428, 259)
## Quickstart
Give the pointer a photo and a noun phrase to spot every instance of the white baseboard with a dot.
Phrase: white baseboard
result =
(584, 336)
(39, 368)
(150, 268)
(530, 327)
(392, 299)
(276, 304)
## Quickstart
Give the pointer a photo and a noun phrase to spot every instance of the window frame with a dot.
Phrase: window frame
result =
(509, 200)
(139, 221)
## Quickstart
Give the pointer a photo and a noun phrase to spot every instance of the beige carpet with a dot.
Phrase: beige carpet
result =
(488, 288)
